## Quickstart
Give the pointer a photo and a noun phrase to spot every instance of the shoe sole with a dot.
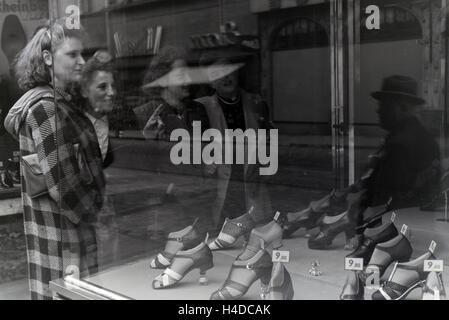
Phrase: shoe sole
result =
(409, 290)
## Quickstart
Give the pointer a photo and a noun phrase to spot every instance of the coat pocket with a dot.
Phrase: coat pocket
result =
(33, 176)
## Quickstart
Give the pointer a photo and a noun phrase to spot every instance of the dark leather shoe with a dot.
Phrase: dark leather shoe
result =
(329, 229)
(371, 238)
(308, 221)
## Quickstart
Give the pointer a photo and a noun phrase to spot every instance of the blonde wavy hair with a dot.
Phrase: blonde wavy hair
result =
(29, 67)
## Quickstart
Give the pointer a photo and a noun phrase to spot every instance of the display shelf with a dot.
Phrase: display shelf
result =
(135, 277)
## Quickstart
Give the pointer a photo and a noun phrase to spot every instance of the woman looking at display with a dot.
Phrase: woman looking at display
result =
(98, 89)
(57, 140)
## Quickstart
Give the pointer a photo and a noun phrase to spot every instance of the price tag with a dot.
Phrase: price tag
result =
(432, 247)
(433, 266)
(373, 278)
(354, 264)
(281, 256)
(393, 216)
(276, 216)
(404, 229)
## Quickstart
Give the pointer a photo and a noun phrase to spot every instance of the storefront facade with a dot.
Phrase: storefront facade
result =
(314, 66)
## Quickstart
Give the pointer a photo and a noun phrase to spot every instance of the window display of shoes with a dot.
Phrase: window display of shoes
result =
(434, 287)
(184, 262)
(281, 286)
(243, 274)
(398, 249)
(404, 278)
(184, 239)
(372, 237)
(232, 230)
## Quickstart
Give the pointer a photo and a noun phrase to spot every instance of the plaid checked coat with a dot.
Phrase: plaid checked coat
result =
(59, 225)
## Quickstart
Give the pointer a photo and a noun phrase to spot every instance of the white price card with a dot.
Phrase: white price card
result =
(433, 265)
(404, 229)
(354, 264)
(432, 247)
(393, 216)
(281, 256)
(277, 215)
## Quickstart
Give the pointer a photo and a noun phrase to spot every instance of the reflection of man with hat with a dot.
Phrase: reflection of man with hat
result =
(408, 150)
(403, 173)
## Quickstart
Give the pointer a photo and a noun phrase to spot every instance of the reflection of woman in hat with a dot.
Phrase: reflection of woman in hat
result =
(170, 107)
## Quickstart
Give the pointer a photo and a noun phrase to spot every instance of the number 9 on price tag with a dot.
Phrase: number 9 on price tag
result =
(281, 256)
(354, 264)
(433, 265)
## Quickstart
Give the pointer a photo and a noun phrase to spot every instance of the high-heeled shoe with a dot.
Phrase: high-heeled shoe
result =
(242, 276)
(199, 257)
(268, 237)
(330, 227)
(404, 278)
(180, 240)
(371, 238)
(398, 249)
(307, 219)
(353, 288)
(232, 230)
(434, 287)
(310, 217)
(280, 287)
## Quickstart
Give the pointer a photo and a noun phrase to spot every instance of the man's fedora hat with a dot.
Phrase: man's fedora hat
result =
(402, 87)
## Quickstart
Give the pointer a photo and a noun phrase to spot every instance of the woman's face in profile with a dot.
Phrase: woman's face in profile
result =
(100, 91)
(68, 62)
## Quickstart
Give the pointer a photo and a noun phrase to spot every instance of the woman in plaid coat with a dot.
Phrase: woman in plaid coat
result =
(60, 212)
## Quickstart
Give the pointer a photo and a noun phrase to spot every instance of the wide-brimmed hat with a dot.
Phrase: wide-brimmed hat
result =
(402, 87)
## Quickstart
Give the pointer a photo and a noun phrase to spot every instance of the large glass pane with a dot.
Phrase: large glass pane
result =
(182, 144)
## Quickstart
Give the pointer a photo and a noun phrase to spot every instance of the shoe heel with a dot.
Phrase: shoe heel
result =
(290, 292)
(203, 270)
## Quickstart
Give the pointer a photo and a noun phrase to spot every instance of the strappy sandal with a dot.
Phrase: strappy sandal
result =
(232, 230)
(280, 287)
(199, 257)
(404, 278)
(258, 267)
(398, 249)
(268, 237)
(434, 288)
(184, 239)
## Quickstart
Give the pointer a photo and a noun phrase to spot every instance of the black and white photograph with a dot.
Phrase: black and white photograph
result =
(225, 150)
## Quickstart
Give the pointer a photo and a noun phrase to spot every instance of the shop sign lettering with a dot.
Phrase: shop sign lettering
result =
(25, 9)
(373, 20)
(73, 19)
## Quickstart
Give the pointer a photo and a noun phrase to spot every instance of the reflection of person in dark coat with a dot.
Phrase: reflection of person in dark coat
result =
(238, 187)
(403, 173)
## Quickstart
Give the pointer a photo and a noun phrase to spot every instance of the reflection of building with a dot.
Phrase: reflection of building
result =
(315, 62)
